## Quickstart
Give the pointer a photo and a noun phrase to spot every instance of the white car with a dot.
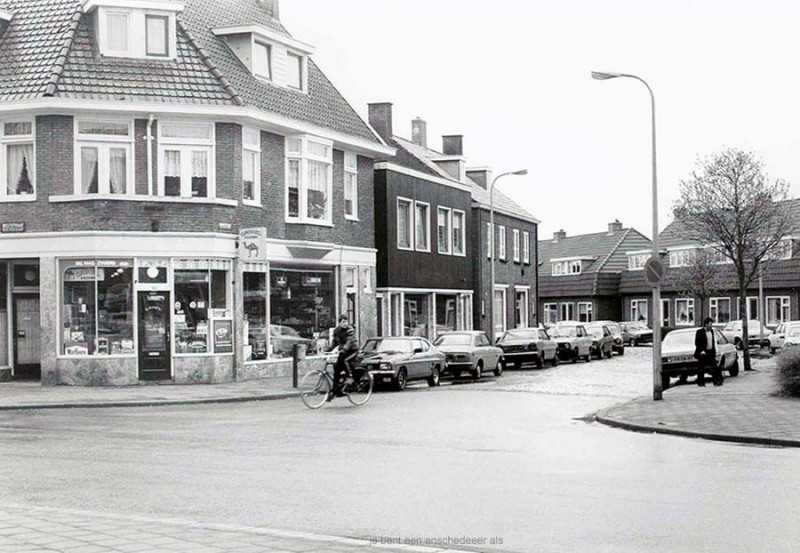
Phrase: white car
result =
(792, 337)
(778, 338)
(677, 355)
(733, 332)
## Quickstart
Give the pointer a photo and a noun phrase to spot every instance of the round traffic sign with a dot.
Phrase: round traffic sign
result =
(654, 271)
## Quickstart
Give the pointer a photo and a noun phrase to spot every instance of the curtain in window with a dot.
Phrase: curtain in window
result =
(403, 225)
(248, 175)
(118, 171)
(157, 36)
(19, 178)
(199, 174)
(349, 193)
(458, 247)
(421, 226)
(172, 173)
(294, 188)
(117, 32)
(89, 170)
(317, 190)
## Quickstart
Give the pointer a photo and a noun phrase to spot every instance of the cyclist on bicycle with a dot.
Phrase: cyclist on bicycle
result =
(344, 336)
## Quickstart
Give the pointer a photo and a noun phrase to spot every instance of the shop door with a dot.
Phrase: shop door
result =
(154, 350)
(27, 338)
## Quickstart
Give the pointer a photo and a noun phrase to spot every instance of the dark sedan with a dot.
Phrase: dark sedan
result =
(400, 359)
(528, 345)
(602, 340)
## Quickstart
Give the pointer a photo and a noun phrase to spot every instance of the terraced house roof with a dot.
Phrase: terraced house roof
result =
(49, 49)
(602, 251)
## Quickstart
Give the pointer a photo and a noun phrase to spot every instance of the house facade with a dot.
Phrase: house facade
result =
(580, 276)
(184, 194)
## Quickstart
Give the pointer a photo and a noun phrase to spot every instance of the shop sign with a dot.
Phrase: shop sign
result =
(223, 336)
(83, 274)
(311, 280)
(253, 244)
(10, 228)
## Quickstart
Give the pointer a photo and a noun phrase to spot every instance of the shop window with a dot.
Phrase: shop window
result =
(187, 161)
(97, 307)
(309, 180)
(17, 161)
(103, 157)
(415, 315)
(446, 313)
(255, 315)
(302, 310)
(201, 308)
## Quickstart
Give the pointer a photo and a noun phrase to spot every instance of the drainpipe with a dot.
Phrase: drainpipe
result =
(149, 138)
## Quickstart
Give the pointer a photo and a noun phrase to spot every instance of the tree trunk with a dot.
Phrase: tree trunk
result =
(743, 316)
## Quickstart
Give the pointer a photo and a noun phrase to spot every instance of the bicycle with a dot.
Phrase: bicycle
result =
(316, 386)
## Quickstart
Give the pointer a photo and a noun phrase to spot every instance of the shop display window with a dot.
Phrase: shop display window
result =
(255, 315)
(415, 315)
(445, 313)
(201, 304)
(302, 310)
(3, 315)
(97, 307)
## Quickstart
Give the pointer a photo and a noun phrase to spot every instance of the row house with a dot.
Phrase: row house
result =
(183, 194)
(433, 242)
(580, 276)
(701, 283)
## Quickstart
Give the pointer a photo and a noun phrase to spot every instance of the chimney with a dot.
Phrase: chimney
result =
(452, 145)
(380, 119)
(419, 132)
(481, 176)
(616, 226)
(273, 7)
(559, 235)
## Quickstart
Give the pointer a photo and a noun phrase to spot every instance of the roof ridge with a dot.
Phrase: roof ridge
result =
(212, 68)
(66, 46)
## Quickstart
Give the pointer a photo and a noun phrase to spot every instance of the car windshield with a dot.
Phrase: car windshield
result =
(595, 331)
(453, 340)
(564, 331)
(679, 340)
(527, 334)
(388, 345)
(794, 331)
(638, 326)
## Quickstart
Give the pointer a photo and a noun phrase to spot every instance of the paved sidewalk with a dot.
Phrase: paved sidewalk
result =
(742, 410)
(26, 528)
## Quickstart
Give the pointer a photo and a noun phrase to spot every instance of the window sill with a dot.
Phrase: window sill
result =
(18, 198)
(312, 222)
(351, 218)
(138, 198)
(252, 203)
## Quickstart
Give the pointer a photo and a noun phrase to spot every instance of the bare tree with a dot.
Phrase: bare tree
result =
(701, 278)
(730, 205)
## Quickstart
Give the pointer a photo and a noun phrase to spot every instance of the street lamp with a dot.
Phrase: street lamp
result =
(494, 247)
(657, 388)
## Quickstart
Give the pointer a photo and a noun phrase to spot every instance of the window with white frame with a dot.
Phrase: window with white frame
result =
(751, 306)
(665, 311)
(515, 246)
(585, 311)
(550, 313)
(309, 179)
(350, 186)
(719, 309)
(443, 224)
(636, 261)
(567, 311)
(405, 229)
(782, 250)
(489, 240)
(499, 311)
(156, 35)
(778, 309)
(422, 227)
(186, 151)
(262, 60)
(639, 310)
(366, 279)
(526, 247)
(459, 232)
(251, 165)
(501, 242)
(681, 258)
(132, 32)
(103, 160)
(17, 167)
(566, 267)
(294, 71)
(521, 315)
(684, 311)
(716, 257)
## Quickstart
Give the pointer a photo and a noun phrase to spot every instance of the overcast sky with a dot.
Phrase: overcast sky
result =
(513, 77)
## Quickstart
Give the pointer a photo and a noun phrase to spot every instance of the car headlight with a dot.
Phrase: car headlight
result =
(385, 366)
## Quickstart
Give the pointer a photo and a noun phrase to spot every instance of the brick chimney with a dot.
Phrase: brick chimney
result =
(380, 119)
(559, 235)
(482, 176)
(452, 145)
(616, 226)
(419, 132)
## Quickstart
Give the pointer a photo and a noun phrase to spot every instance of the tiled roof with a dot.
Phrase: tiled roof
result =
(606, 250)
(49, 48)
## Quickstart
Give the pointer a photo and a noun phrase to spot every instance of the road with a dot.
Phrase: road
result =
(509, 459)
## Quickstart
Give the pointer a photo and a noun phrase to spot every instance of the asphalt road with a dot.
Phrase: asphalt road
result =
(508, 460)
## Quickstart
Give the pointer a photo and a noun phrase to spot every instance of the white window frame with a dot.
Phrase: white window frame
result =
(785, 307)
(714, 307)
(587, 309)
(351, 185)
(665, 311)
(186, 146)
(164, 17)
(17, 140)
(501, 243)
(639, 309)
(783, 249)
(526, 247)
(500, 315)
(457, 214)
(305, 157)
(523, 308)
(252, 148)
(292, 57)
(550, 313)
(690, 320)
(447, 214)
(750, 302)
(566, 311)
(636, 261)
(684, 257)
(566, 267)
(410, 203)
(427, 222)
(515, 245)
(136, 32)
(256, 44)
(104, 143)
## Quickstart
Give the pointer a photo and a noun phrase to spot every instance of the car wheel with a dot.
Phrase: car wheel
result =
(498, 369)
(772, 351)
(478, 372)
(609, 353)
(632, 342)
(433, 379)
(588, 356)
(622, 350)
(575, 355)
(556, 360)
(539, 362)
(734, 370)
(401, 380)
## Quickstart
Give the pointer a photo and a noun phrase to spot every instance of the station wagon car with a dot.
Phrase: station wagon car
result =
(469, 351)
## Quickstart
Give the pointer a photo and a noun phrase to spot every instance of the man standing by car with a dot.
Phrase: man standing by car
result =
(344, 336)
(705, 351)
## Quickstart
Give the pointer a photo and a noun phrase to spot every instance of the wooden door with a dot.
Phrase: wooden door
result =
(27, 337)
(155, 354)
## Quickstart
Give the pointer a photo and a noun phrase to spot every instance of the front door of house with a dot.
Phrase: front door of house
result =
(27, 337)
(154, 331)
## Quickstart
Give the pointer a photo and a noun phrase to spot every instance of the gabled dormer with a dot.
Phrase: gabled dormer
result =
(269, 55)
(142, 29)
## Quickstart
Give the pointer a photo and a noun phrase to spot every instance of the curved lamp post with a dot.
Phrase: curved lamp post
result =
(494, 248)
(657, 388)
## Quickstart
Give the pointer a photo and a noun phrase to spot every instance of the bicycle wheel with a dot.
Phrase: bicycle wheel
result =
(314, 389)
(360, 390)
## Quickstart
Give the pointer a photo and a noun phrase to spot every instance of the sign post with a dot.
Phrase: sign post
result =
(654, 273)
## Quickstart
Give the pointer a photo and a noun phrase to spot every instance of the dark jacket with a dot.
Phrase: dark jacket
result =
(701, 345)
(345, 338)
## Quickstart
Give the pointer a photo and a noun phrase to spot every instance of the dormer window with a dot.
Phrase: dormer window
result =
(571, 266)
(135, 28)
(269, 55)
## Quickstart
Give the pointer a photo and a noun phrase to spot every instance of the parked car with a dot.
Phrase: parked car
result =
(528, 345)
(733, 332)
(677, 355)
(616, 333)
(792, 337)
(400, 359)
(573, 341)
(636, 332)
(602, 340)
(282, 338)
(469, 351)
(778, 337)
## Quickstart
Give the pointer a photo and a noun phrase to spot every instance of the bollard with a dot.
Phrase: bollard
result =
(298, 354)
